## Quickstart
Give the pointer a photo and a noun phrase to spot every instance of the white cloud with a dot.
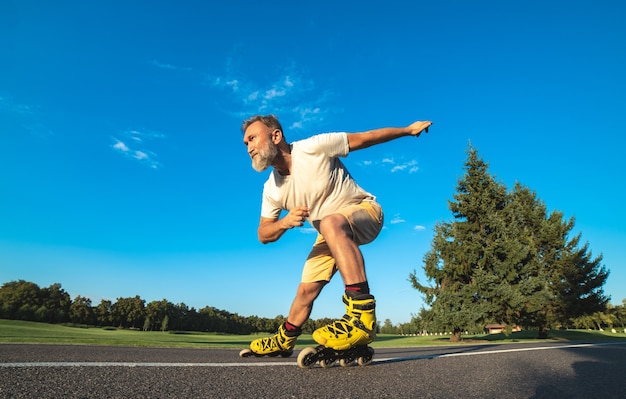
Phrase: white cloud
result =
(143, 135)
(275, 92)
(393, 166)
(306, 115)
(252, 97)
(135, 135)
(233, 84)
(291, 96)
(142, 155)
(419, 228)
(397, 219)
(120, 146)
(167, 66)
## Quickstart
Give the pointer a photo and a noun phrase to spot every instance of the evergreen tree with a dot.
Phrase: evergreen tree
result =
(526, 284)
(504, 259)
(464, 252)
(571, 280)
(577, 283)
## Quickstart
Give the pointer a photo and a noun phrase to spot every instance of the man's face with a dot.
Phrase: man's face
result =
(260, 146)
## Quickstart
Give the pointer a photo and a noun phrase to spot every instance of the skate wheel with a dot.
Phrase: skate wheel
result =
(286, 354)
(349, 357)
(307, 358)
(345, 362)
(367, 359)
(246, 352)
(327, 363)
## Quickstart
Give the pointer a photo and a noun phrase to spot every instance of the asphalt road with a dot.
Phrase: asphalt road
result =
(541, 370)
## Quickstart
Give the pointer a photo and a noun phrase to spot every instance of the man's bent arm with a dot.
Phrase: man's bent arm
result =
(271, 229)
(358, 141)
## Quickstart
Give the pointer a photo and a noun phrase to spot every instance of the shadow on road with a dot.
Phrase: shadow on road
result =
(593, 377)
(385, 356)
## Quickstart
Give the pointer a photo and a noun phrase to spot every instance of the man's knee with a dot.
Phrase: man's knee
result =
(333, 225)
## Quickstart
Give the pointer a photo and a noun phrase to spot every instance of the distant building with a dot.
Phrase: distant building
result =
(499, 328)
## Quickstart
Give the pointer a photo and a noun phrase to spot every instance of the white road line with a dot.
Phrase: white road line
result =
(292, 363)
(140, 364)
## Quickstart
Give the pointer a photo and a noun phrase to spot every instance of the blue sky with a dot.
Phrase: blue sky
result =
(122, 166)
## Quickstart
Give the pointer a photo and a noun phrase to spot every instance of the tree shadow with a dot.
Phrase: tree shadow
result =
(599, 375)
(426, 353)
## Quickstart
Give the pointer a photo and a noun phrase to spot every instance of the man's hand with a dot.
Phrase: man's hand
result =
(296, 217)
(416, 128)
(271, 230)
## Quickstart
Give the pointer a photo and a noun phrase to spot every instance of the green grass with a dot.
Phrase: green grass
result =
(12, 331)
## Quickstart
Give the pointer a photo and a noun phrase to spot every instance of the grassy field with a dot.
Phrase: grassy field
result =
(12, 331)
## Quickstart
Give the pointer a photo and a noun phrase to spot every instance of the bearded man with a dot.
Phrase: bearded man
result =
(310, 183)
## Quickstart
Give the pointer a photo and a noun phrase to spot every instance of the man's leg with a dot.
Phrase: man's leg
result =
(348, 257)
(285, 339)
(343, 233)
(318, 270)
(303, 303)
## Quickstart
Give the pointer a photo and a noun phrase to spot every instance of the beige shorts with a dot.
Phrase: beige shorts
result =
(366, 221)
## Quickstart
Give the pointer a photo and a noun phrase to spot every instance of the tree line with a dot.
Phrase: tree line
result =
(24, 300)
(503, 258)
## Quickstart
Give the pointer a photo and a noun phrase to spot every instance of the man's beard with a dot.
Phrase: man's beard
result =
(265, 157)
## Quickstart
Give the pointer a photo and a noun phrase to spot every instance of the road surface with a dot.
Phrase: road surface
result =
(537, 370)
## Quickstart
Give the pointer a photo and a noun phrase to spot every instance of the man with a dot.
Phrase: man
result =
(309, 182)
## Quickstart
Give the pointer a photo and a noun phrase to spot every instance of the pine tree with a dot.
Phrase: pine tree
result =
(504, 259)
(577, 283)
(538, 245)
(463, 252)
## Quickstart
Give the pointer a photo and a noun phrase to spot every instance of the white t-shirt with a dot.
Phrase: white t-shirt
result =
(318, 180)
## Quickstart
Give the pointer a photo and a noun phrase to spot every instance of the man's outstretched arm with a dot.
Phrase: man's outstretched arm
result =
(358, 141)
